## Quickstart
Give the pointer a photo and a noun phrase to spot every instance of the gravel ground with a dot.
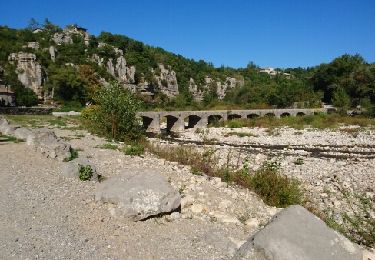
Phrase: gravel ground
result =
(46, 216)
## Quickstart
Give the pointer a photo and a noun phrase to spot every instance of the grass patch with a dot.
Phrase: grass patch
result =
(134, 150)
(241, 134)
(320, 121)
(36, 121)
(8, 138)
(108, 146)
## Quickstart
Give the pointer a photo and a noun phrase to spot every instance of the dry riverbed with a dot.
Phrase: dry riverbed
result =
(44, 215)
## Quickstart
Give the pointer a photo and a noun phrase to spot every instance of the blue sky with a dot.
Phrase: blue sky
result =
(231, 33)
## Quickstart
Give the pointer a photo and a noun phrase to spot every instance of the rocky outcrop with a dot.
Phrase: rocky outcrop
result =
(295, 233)
(221, 87)
(166, 80)
(65, 37)
(139, 195)
(29, 71)
(52, 52)
(117, 68)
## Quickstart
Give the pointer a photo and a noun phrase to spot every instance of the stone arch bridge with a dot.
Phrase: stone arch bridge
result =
(178, 121)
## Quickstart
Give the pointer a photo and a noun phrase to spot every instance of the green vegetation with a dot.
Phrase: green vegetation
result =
(37, 121)
(274, 188)
(319, 121)
(241, 134)
(115, 113)
(7, 138)
(73, 155)
(85, 172)
(109, 146)
(134, 149)
(299, 161)
(347, 81)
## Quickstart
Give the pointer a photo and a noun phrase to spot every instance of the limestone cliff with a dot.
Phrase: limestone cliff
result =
(29, 71)
(65, 37)
(166, 80)
(221, 87)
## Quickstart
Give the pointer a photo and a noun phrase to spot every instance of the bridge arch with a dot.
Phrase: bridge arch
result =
(192, 121)
(269, 114)
(252, 116)
(301, 113)
(214, 119)
(234, 116)
(285, 114)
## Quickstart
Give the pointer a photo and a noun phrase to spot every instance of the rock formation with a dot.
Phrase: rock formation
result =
(295, 233)
(52, 51)
(65, 37)
(167, 81)
(139, 195)
(221, 87)
(29, 71)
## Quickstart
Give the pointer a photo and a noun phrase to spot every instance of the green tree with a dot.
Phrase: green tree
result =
(341, 100)
(116, 112)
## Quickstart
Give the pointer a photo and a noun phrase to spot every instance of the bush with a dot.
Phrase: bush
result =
(134, 150)
(275, 189)
(115, 113)
(85, 172)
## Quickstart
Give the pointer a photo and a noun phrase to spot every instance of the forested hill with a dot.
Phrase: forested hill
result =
(45, 63)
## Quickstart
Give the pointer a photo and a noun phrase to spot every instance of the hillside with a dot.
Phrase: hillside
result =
(68, 65)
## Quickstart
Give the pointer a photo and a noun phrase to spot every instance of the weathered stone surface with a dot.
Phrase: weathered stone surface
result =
(71, 169)
(23, 133)
(29, 71)
(295, 233)
(139, 195)
(49, 144)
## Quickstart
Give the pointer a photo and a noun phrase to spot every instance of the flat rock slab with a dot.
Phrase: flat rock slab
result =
(295, 233)
(139, 195)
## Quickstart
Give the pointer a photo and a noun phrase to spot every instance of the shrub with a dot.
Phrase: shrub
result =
(85, 172)
(299, 161)
(274, 188)
(134, 150)
(115, 113)
(235, 124)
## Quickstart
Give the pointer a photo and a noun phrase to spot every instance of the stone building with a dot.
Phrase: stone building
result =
(7, 97)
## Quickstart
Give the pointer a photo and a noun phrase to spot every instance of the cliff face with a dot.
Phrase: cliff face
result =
(65, 37)
(29, 71)
(167, 81)
(221, 87)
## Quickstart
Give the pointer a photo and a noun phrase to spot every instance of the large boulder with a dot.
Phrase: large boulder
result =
(139, 195)
(295, 233)
(49, 144)
(23, 134)
(71, 169)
